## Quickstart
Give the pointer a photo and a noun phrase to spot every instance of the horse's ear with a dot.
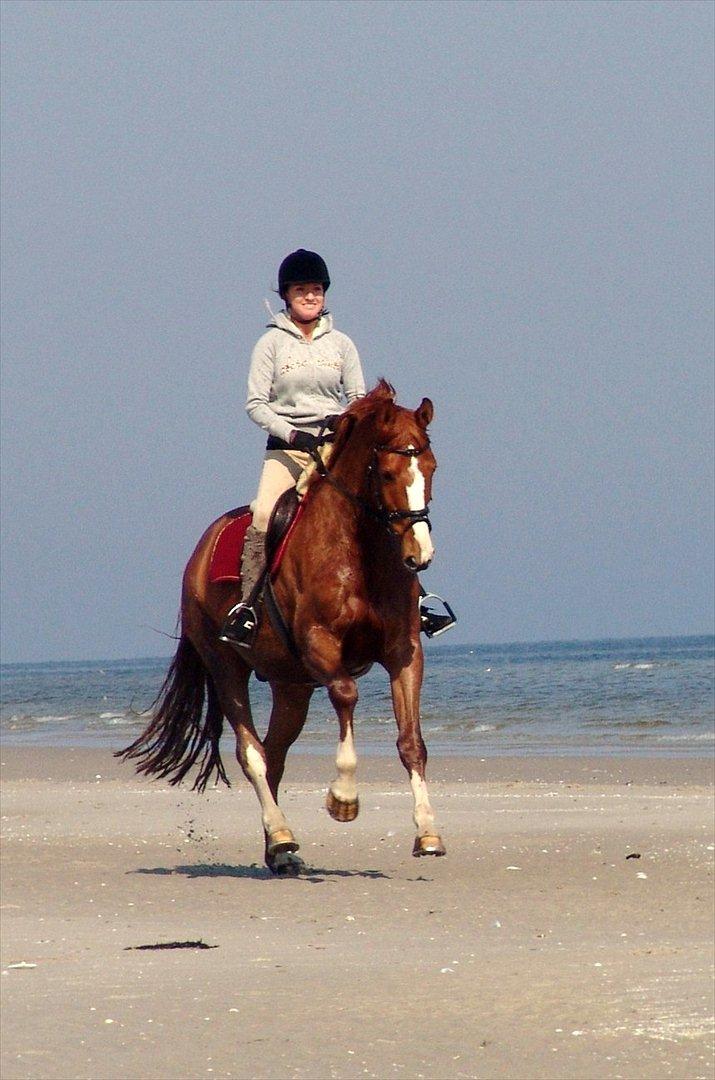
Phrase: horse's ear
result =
(424, 412)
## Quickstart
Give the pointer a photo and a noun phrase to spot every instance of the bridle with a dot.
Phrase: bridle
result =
(390, 517)
(386, 517)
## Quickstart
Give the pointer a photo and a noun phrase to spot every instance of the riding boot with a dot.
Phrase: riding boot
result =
(240, 625)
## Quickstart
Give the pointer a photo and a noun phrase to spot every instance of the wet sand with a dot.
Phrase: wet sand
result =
(536, 948)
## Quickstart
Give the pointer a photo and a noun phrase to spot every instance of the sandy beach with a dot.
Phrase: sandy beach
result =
(536, 948)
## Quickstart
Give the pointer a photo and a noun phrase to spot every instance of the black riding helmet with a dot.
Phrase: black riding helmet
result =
(300, 268)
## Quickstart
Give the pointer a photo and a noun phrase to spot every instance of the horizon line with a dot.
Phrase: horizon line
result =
(446, 644)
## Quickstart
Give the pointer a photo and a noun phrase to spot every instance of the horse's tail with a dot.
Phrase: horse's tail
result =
(179, 733)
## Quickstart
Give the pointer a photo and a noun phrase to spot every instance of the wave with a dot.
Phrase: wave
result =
(692, 737)
(458, 727)
(16, 720)
(74, 721)
(638, 722)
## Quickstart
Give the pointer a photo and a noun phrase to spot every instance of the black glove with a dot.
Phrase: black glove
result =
(331, 422)
(303, 440)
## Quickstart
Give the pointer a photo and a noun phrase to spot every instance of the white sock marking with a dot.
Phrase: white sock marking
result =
(423, 816)
(345, 787)
(273, 816)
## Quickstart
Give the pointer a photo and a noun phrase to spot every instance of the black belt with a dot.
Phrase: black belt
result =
(274, 443)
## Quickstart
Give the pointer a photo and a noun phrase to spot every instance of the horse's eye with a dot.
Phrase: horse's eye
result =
(387, 475)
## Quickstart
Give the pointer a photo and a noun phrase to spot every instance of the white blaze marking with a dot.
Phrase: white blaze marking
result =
(273, 817)
(423, 816)
(416, 501)
(345, 788)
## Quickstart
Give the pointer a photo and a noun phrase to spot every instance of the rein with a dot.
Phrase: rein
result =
(379, 513)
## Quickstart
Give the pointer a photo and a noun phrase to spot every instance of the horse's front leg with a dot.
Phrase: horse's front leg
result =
(324, 660)
(406, 683)
(342, 798)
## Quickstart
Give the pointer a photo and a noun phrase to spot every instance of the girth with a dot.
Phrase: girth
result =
(276, 616)
(286, 635)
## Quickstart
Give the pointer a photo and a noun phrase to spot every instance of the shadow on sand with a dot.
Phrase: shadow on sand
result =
(312, 874)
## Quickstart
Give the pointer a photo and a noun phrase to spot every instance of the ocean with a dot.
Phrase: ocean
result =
(643, 695)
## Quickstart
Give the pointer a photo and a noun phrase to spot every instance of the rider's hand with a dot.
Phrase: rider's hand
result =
(331, 422)
(303, 440)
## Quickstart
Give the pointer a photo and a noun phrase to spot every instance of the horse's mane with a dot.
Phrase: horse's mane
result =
(379, 395)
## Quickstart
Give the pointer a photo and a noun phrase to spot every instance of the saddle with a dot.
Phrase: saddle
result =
(283, 520)
(228, 546)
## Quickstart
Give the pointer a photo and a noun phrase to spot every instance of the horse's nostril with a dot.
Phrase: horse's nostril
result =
(412, 564)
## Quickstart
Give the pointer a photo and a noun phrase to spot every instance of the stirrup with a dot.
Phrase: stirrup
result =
(239, 628)
(434, 623)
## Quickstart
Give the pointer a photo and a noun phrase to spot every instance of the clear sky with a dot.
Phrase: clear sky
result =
(515, 203)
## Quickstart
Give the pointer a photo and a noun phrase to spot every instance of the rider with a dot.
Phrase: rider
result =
(303, 371)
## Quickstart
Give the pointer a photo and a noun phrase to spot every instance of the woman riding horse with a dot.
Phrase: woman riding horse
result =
(302, 372)
(346, 593)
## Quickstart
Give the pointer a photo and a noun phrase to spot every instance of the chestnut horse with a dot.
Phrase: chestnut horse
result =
(348, 593)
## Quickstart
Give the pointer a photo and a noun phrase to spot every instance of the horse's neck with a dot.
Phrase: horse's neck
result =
(333, 517)
(351, 468)
(335, 505)
(338, 519)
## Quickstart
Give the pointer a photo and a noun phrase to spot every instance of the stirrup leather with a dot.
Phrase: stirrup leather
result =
(433, 623)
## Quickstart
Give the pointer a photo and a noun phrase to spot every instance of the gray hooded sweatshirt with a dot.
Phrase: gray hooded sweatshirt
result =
(294, 383)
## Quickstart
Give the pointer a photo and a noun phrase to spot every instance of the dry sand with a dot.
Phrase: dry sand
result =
(535, 949)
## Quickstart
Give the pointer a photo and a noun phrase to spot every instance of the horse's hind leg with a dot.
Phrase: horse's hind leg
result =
(290, 708)
(231, 678)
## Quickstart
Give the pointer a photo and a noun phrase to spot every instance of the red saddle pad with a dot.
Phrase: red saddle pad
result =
(226, 555)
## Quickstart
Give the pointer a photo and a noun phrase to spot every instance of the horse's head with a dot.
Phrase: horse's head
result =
(402, 471)
(399, 469)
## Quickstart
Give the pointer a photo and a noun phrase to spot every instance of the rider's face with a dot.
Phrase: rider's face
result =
(305, 301)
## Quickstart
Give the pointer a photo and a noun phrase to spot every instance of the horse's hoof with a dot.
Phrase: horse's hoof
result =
(340, 810)
(285, 864)
(428, 845)
(280, 842)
